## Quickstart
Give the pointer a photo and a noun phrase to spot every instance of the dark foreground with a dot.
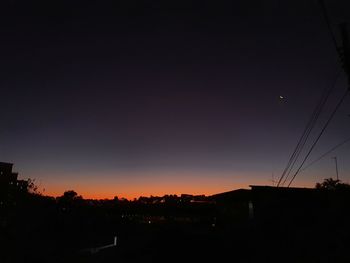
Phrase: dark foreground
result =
(311, 226)
(179, 243)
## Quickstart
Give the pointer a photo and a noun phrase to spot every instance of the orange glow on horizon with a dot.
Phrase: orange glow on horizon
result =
(156, 184)
(135, 191)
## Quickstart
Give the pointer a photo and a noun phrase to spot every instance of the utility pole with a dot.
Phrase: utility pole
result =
(345, 51)
(336, 166)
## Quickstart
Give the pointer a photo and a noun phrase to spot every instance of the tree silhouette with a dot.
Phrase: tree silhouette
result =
(32, 187)
(70, 195)
(69, 199)
(332, 184)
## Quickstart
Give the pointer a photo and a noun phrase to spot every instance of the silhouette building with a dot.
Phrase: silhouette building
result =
(9, 184)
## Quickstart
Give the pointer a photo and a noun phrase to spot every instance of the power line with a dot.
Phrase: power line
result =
(320, 134)
(317, 113)
(325, 154)
(344, 55)
(330, 30)
(307, 131)
(299, 146)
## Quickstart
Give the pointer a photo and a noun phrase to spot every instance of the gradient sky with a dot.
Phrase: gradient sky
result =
(137, 98)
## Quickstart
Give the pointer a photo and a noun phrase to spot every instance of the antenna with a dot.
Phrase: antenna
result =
(274, 182)
(336, 166)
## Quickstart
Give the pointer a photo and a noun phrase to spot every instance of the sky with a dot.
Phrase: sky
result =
(130, 98)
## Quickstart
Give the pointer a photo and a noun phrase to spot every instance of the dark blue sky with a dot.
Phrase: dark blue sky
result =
(182, 96)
